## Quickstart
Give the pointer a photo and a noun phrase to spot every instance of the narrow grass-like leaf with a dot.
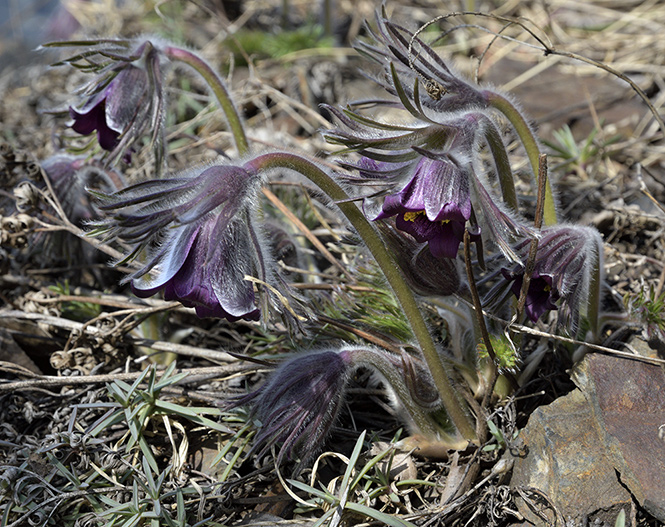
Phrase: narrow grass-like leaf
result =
(353, 459)
(147, 452)
(369, 465)
(323, 519)
(379, 516)
(326, 496)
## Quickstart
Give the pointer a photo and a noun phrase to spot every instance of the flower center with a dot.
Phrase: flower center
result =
(412, 215)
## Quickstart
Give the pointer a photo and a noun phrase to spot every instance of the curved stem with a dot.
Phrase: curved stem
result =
(502, 163)
(390, 270)
(375, 359)
(216, 84)
(530, 143)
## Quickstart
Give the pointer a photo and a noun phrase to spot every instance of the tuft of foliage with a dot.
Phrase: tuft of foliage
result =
(262, 44)
(113, 470)
(577, 155)
(647, 307)
(75, 310)
(506, 354)
(370, 304)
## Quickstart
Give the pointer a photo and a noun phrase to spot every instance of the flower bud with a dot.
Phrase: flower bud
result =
(299, 403)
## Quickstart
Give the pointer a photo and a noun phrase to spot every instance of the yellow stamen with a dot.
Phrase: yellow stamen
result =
(411, 216)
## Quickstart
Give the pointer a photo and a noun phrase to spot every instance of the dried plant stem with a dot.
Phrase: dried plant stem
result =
(391, 271)
(44, 381)
(480, 319)
(538, 222)
(308, 234)
(9, 316)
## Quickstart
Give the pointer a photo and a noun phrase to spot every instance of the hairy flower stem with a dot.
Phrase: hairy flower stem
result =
(530, 145)
(373, 359)
(504, 172)
(216, 84)
(391, 271)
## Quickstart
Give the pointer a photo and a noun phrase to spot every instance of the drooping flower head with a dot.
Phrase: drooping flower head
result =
(434, 171)
(71, 176)
(198, 236)
(299, 403)
(428, 176)
(433, 207)
(565, 262)
(297, 406)
(125, 100)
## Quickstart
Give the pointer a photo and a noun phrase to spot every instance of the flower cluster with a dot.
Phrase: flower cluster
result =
(427, 184)
(447, 171)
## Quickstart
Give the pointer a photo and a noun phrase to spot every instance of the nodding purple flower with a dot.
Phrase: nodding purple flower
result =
(112, 110)
(125, 100)
(200, 237)
(435, 187)
(434, 172)
(70, 176)
(433, 207)
(541, 295)
(565, 262)
(299, 403)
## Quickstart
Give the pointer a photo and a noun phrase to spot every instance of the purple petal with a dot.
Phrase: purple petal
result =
(166, 263)
(446, 244)
(539, 298)
(95, 119)
(125, 97)
(209, 282)
(444, 237)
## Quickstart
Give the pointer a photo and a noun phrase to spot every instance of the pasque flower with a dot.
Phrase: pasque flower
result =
(433, 171)
(566, 259)
(434, 206)
(299, 403)
(429, 179)
(125, 99)
(112, 111)
(199, 237)
(70, 176)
